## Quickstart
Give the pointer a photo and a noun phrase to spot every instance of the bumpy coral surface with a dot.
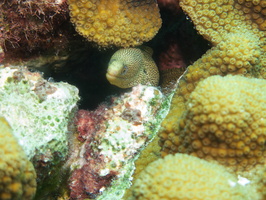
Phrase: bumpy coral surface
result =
(121, 23)
(179, 176)
(238, 48)
(132, 66)
(17, 175)
(255, 10)
(223, 23)
(113, 136)
(147, 155)
(215, 19)
(224, 121)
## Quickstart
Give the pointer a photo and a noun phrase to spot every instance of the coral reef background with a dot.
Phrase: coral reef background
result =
(90, 139)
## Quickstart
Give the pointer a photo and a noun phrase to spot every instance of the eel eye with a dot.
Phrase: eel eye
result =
(145, 72)
(124, 70)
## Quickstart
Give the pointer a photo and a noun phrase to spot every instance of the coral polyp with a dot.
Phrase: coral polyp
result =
(17, 174)
(118, 23)
(181, 176)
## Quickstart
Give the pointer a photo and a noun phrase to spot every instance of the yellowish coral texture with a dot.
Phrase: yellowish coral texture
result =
(227, 24)
(17, 175)
(239, 48)
(147, 155)
(225, 121)
(214, 19)
(259, 182)
(180, 176)
(255, 11)
(121, 23)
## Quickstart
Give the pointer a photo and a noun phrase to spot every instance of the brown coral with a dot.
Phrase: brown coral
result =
(181, 177)
(223, 122)
(17, 175)
(121, 23)
(28, 27)
(255, 11)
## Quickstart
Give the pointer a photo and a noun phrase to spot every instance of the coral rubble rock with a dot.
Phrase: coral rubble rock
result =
(38, 110)
(121, 130)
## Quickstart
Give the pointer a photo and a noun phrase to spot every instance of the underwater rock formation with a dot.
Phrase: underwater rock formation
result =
(118, 23)
(38, 110)
(112, 137)
(40, 113)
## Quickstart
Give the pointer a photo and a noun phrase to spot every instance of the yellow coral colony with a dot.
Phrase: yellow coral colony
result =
(180, 176)
(236, 31)
(123, 23)
(17, 175)
(225, 121)
(238, 39)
